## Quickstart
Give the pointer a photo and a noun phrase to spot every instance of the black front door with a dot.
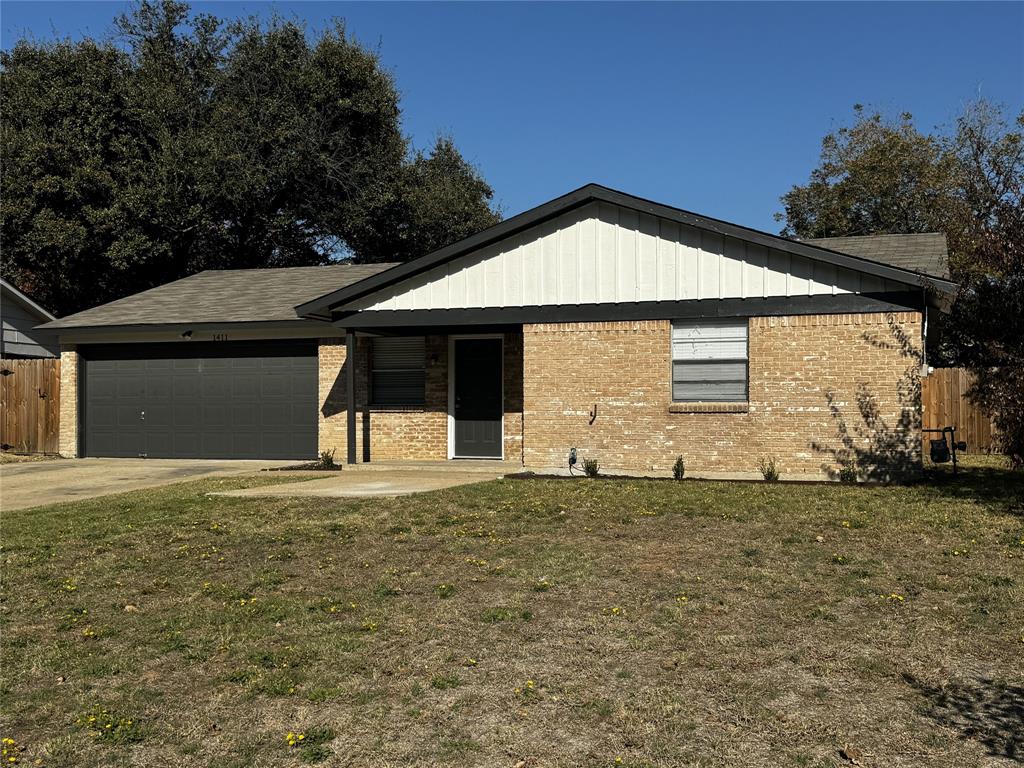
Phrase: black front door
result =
(478, 407)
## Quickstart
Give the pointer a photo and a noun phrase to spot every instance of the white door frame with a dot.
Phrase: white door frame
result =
(451, 391)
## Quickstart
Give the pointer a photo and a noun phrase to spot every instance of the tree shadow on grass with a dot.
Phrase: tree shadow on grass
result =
(985, 710)
(879, 449)
(1000, 487)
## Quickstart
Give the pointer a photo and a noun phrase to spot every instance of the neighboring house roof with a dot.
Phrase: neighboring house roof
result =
(321, 307)
(43, 314)
(223, 296)
(924, 253)
(21, 317)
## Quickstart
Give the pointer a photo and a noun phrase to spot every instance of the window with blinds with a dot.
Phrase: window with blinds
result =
(709, 361)
(398, 371)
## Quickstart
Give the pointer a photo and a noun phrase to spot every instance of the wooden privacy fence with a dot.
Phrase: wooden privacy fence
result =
(30, 405)
(945, 404)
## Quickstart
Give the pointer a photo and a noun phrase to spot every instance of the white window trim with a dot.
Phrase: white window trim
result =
(672, 361)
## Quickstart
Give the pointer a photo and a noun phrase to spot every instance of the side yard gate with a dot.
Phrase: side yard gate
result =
(30, 405)
(945, 404)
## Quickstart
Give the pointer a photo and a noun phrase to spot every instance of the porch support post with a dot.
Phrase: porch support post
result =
(350, 391)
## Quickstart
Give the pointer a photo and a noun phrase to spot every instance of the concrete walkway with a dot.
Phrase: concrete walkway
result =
(355, 484)
(33, 484)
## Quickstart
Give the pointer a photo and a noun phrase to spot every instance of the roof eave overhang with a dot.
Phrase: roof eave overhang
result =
(85, 331)
(325, 306)
(820, 304)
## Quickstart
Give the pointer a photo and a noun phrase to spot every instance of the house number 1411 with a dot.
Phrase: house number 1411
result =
(220, 337)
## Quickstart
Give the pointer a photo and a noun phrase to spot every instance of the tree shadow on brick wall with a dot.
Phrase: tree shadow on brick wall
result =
(336, 403)
(875, 447)
(985, 710)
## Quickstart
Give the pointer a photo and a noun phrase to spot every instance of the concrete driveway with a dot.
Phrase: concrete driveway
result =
(49, 482)
(355, 484)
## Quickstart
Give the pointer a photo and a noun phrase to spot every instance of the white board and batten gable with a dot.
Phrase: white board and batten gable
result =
(603, 253)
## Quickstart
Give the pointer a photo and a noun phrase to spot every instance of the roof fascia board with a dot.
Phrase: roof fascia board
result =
(322, 306)
(825, 304)
(311, 327)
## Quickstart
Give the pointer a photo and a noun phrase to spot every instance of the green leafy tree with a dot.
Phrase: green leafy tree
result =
(880, 176)
(876, 176)
(193, 143)
(433, 202)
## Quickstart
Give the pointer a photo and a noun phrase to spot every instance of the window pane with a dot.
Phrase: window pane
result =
(401, 352)
(715, 382)
(398, 375)
(710, 392)
(726, 371)
(709, 339)
(398, 387)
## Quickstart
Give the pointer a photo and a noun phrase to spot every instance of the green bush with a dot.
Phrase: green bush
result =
(591, 467)
(679, 468)
(848, 471)
(769, 468)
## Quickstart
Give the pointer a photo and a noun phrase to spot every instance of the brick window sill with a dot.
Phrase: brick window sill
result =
(709, 408)
(397, 408)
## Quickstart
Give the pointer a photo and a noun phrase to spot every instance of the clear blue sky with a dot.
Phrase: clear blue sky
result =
(717, 108)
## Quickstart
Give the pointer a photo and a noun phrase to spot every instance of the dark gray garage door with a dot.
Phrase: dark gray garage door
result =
(208, 401)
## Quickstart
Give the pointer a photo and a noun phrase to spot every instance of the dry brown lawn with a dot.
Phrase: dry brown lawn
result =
(521, 623)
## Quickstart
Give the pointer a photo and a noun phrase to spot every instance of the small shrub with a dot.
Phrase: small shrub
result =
(679, 468)
(848, 472)
(327, 459)
(769, 469)
(591, 467)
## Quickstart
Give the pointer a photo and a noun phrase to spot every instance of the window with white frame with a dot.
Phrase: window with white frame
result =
(709, 361)
(398, 371)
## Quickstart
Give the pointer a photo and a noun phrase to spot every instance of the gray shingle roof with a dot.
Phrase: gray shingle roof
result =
(224, 296)
(925, 253)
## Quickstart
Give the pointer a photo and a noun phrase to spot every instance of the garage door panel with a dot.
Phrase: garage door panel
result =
(246, 415)
(187, 444)
(159, 388)
(185, 387)
(104, 416)
(159, 415)
(277, 415)
(215, 385)
(159, 442)
(127, 415)
(247, 387)
(215, 414)
(273, 384)
(130, 385)
(252, 400)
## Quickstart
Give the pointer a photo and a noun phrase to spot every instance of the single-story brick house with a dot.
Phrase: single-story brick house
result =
(632, 331)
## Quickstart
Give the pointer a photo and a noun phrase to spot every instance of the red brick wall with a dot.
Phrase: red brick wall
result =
(812, 380)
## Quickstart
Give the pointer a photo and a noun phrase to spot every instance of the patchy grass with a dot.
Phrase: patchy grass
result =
(8, 457)
(555, 623)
